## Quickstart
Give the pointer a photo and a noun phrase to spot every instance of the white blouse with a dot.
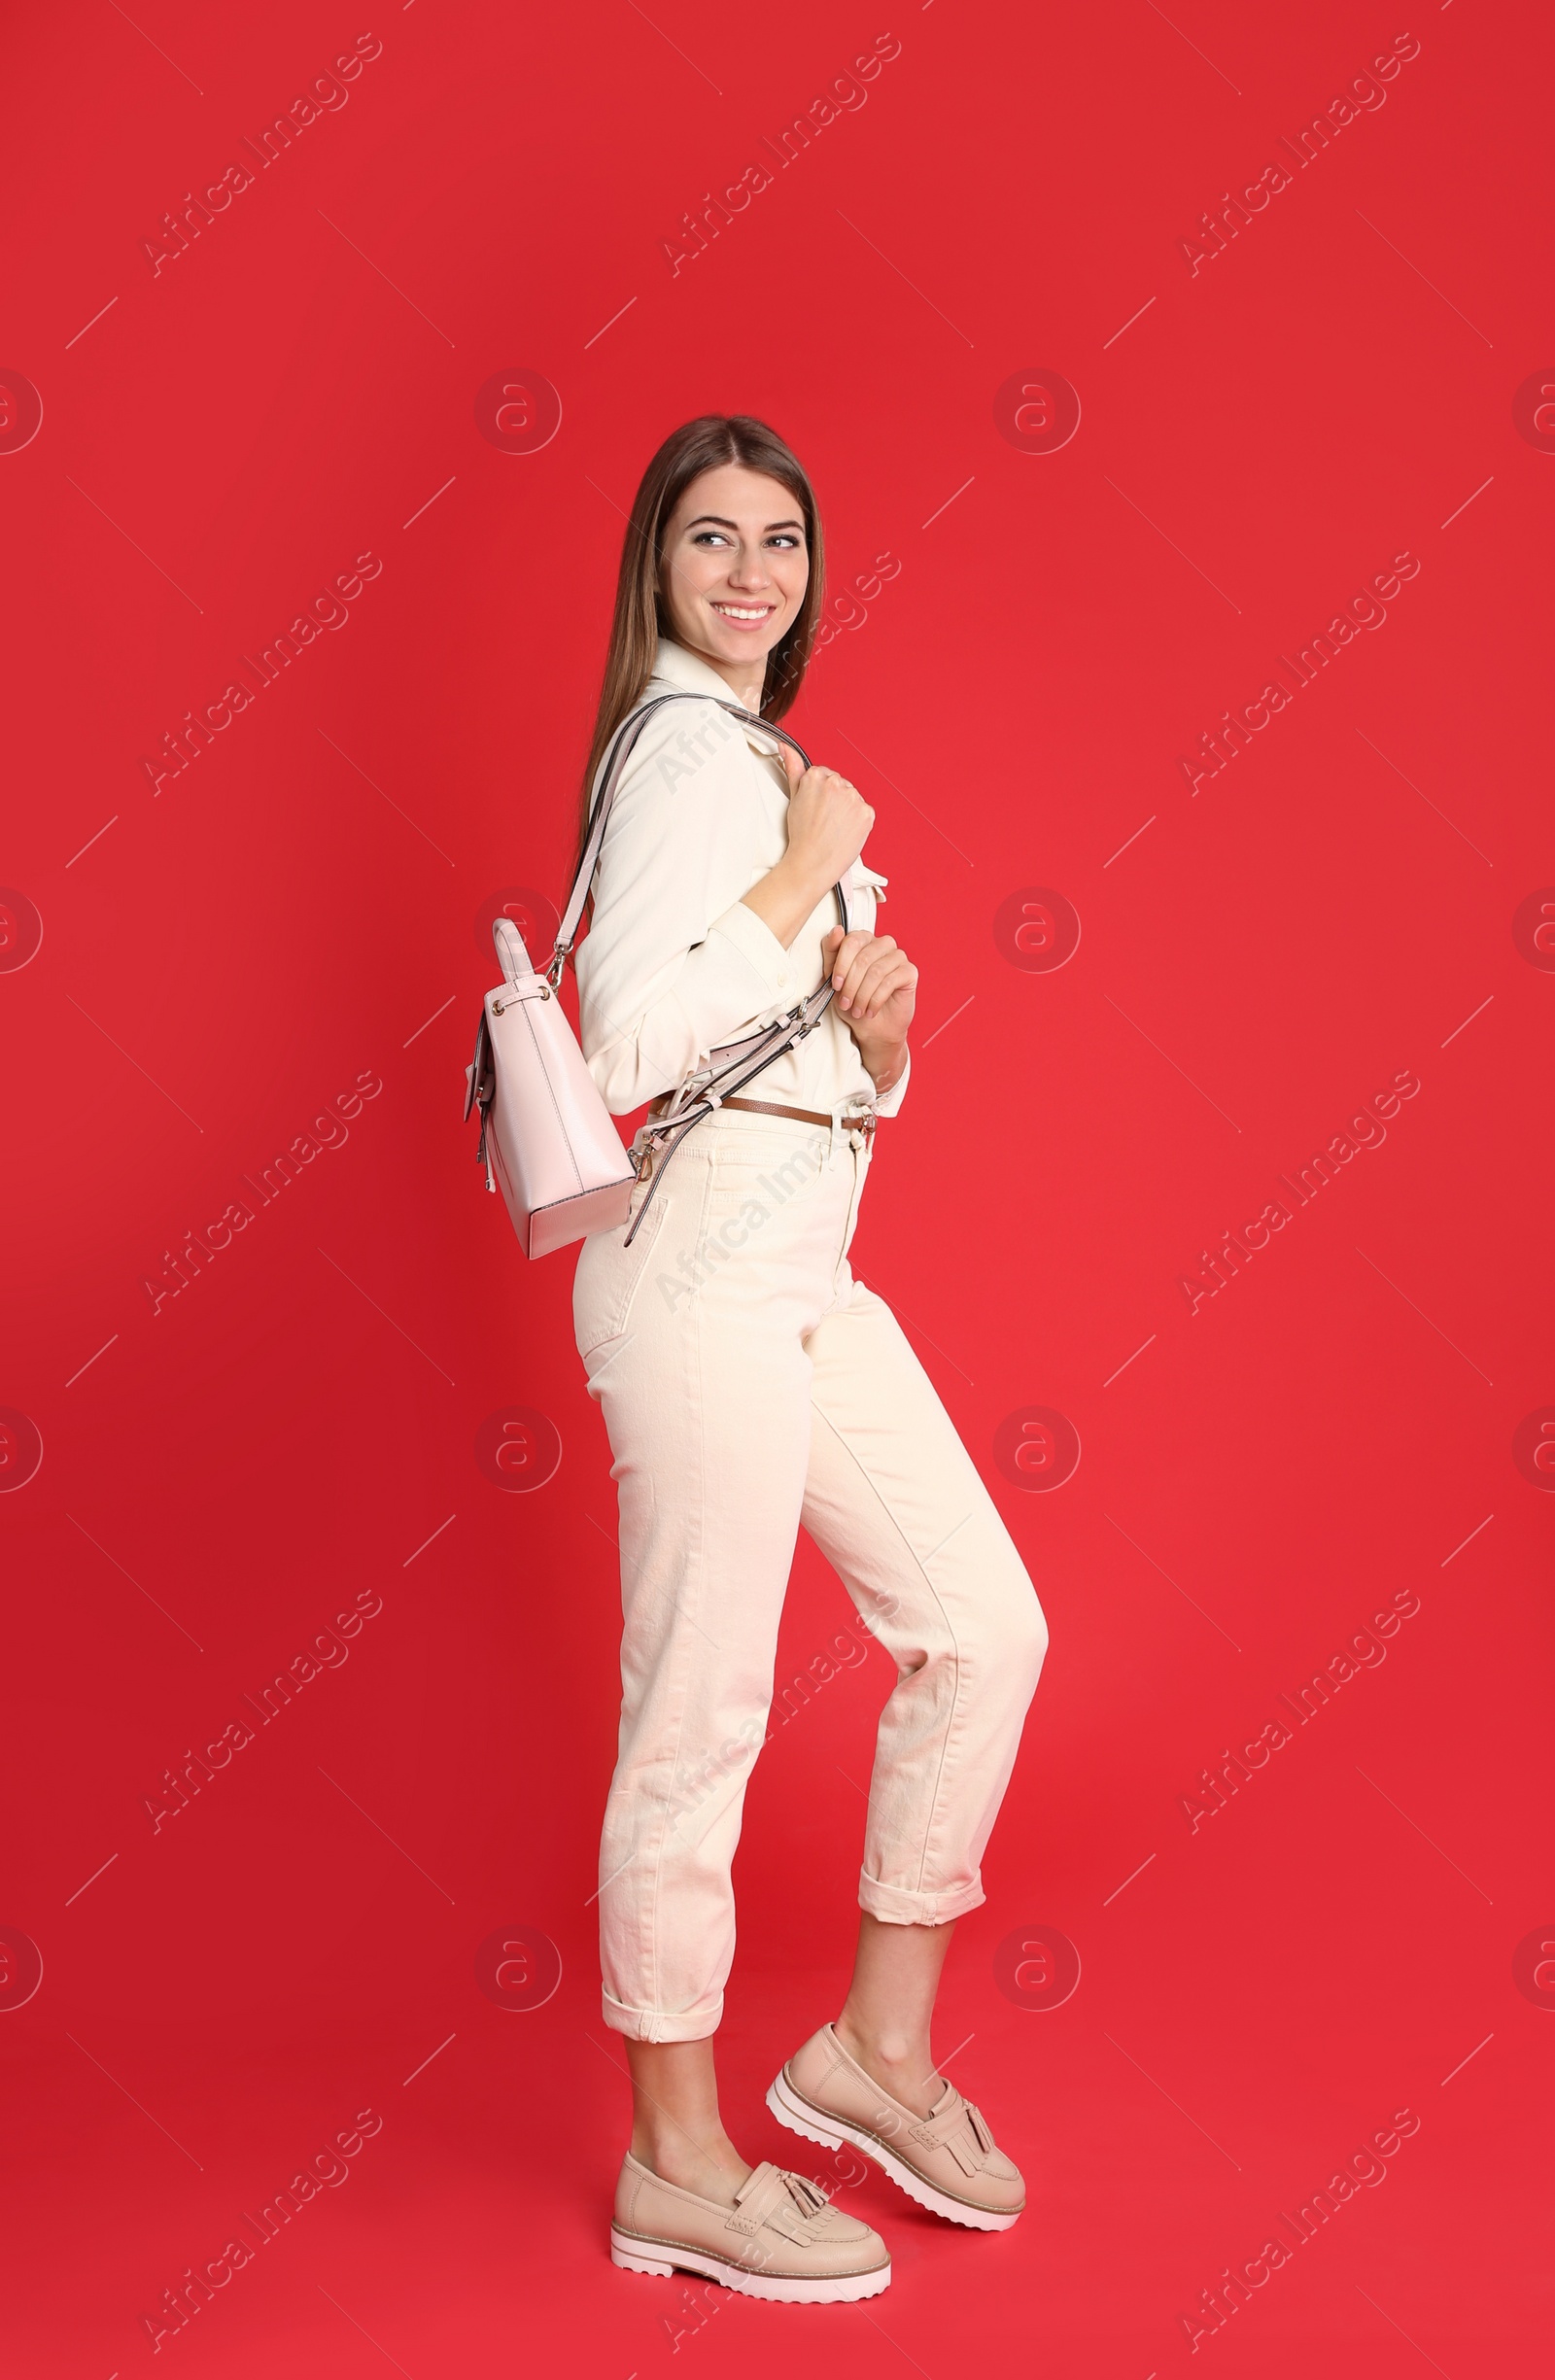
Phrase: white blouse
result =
(673, 963)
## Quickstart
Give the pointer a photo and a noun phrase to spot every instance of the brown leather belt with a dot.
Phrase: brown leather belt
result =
(864, 1123)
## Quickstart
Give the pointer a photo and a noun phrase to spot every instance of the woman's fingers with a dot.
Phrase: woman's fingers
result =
(880, 984)
(893, 974)
(868, 971)
(856, 967)
(836, 957)
(860, 972)
(844, 958)
(848, 944)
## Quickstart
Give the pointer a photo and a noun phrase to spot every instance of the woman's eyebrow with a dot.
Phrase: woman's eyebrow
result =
(717, 521)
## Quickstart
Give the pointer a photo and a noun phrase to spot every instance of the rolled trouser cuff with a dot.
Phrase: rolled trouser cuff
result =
(659, 2024)
(895, 1907)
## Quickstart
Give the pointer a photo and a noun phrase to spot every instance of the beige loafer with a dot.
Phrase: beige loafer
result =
(781, 2239)
(946, 2160)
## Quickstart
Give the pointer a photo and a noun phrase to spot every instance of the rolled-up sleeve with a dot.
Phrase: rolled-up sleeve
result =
(866, 888)
(889, 1102)
(659, 988)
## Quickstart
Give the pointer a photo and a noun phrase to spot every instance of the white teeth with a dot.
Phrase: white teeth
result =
(735, 612)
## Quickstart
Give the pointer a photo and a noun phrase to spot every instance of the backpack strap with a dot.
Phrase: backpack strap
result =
(607, 779)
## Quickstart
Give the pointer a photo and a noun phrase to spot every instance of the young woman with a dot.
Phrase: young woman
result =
(748, 1383)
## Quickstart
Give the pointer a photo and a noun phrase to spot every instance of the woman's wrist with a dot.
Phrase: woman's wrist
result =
(783, 899)
(885, 1066)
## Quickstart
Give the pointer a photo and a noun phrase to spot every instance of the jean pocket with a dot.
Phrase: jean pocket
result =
(771, 1176)
(610, 1275)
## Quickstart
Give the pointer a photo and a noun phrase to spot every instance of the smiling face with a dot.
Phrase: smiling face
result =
(736, 567)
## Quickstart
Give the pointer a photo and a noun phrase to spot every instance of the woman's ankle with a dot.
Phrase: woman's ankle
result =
(708, 2166)
(901, 2063)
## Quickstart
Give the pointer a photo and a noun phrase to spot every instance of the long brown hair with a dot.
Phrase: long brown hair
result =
(641, 615)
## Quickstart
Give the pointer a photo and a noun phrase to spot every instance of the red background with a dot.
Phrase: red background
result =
(1333, 1428)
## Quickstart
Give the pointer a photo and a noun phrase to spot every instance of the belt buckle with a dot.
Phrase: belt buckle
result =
(861, 1126)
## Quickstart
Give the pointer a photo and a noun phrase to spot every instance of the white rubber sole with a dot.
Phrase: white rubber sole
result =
(660, 2260)
(831, 2133)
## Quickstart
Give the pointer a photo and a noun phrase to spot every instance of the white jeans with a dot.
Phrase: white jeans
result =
(748, 1383)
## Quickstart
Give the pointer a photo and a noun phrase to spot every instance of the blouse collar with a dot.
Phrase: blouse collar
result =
(674, 666)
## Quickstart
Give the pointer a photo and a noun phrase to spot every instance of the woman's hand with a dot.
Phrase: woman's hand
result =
(828, 822)
(877, 991)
